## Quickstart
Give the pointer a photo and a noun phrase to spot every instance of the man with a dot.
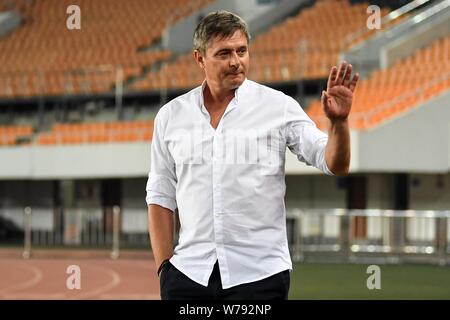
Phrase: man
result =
(218, 156)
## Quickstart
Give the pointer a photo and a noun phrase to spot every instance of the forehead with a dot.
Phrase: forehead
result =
(238, 39)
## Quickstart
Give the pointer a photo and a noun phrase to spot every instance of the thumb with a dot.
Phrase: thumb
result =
(327, 98)
(324, 99)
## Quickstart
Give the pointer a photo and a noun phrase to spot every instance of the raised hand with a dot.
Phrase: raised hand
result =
(337, 99)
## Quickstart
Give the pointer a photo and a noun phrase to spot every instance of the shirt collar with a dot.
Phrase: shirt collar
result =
(238, 93)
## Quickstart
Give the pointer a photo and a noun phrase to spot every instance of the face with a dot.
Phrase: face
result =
(226, 61)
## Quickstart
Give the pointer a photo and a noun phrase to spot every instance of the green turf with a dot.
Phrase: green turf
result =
(349, 281)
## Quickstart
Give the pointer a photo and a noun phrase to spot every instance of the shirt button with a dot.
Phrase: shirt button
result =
(217, 215)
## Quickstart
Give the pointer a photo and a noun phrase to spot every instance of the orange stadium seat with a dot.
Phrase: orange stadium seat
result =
(9, 135)
(97, 132)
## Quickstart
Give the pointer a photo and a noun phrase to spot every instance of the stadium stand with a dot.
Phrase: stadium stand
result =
(304, 46)
(387, 93)
(44, 57)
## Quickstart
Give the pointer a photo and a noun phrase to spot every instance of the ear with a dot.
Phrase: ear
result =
(199, 59)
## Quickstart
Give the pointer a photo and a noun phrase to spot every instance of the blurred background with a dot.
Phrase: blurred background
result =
(76, 121)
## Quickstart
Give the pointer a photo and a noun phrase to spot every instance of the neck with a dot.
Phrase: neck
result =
(217, 96)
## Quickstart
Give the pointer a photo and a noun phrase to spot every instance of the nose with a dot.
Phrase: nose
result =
(234, 60)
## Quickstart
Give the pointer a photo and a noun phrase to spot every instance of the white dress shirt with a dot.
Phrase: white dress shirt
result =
(229, 183)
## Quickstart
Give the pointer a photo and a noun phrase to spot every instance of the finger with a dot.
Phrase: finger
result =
(323, 98)
(340, 77)
(332, 77)
(353, 82)
(348, 74)
(328, 99)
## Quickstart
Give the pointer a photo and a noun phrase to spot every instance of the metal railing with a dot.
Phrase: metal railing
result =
(393, 235)
(393, 15)
(365, 55)
(100, 228)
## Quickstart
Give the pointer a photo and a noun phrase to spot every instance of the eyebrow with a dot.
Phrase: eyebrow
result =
(228, 49)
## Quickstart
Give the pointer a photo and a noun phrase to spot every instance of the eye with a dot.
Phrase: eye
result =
(242, 51)
(222, 54)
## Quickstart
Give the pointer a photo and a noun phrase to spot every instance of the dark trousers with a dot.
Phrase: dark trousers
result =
(175, 285)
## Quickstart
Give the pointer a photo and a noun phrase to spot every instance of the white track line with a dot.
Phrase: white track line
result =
(114, 282)
(37, 277)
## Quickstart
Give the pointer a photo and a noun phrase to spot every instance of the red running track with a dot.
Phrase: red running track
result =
(44, 276)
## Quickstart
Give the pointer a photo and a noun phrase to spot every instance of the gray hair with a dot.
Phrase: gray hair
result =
(218, 24)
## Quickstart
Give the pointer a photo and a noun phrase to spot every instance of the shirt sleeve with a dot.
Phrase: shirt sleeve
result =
(303, 137)
(161, 183)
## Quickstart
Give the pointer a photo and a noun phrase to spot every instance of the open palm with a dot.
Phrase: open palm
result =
(337, 100)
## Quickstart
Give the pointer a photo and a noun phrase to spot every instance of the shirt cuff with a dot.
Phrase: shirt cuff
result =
(322, 161)
(162, 201)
